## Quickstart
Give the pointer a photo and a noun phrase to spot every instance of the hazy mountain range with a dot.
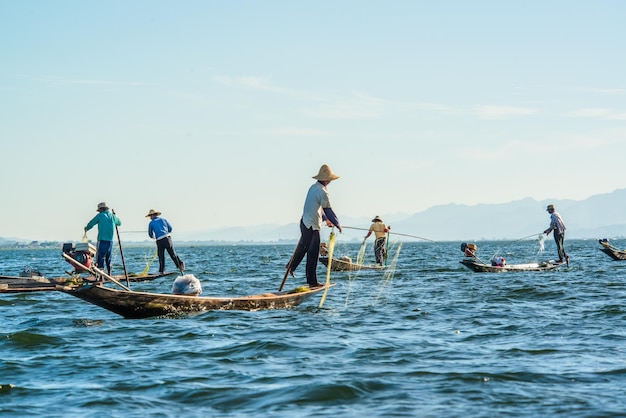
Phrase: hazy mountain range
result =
(599, 216)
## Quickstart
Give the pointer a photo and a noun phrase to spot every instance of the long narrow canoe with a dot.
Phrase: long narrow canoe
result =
(344, 265)
(611, 251)
(479, 267)
(134, 305)
(17, 284)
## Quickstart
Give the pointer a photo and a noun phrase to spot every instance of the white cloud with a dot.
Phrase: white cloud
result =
(256, 83)
(607, 91)
(301, 132)
(502, 112)
(60, 81)
(597, 113)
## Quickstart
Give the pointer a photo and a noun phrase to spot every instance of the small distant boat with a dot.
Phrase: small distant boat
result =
(498, 264)
(346, 264)
(480, 267)
(611, 251)
(135, 305)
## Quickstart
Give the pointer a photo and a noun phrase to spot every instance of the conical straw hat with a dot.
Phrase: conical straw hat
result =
(326, 174)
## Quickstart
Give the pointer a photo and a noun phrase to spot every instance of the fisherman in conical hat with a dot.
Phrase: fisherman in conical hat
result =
(380, 230)
(106, 221)
(558, 226)
(160, 229)
(317, 208)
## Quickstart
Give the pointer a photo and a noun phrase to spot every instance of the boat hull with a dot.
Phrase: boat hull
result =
(135, 305)
(343, 265)
(18, 284)
(479, 267)
(614, 253)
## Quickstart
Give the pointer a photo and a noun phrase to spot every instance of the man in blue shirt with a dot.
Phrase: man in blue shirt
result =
(106, 221)
(160, 229)
(317, 208)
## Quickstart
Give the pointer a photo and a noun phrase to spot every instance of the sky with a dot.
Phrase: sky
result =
(218, 113)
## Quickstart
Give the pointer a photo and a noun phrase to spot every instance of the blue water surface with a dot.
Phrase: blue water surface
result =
(428, 338)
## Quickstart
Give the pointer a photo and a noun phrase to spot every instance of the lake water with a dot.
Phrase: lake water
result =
(430, 339)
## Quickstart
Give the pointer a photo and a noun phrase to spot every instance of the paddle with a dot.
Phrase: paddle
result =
(288, 268)
(119, 242)
(94, 269)
(331, 247)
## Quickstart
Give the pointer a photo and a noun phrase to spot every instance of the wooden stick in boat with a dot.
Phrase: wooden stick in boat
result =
(119, 242)
(288, 269)
(95, 270)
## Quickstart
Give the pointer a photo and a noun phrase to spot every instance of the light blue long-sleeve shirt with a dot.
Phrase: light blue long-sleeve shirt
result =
(106, 222)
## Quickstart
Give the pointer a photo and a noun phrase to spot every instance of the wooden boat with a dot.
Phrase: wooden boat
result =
(481, 267)
(339, 264)
(136, 305)
(17, 284)
(611, 251)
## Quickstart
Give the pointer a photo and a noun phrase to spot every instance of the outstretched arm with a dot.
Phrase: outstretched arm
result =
(330, 215)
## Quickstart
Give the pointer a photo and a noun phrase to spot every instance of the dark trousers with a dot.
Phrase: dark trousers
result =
(308, 245)
(379, 250)
(559, 239)
(103, 255)
(166, 244)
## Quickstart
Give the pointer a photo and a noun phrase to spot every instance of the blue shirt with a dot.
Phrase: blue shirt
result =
(159, 228)
(106, 222)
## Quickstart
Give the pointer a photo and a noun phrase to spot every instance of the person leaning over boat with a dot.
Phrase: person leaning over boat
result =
(317, 208)
(160, 229)
(106, 221)
(558, 226)
(380, 230)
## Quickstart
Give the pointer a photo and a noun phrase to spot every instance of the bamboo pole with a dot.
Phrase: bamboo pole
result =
(95, 270)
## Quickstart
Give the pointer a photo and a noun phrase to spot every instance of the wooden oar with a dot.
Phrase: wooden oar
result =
(331, 247)
(119, 242)
(288, 268)
(94, 269)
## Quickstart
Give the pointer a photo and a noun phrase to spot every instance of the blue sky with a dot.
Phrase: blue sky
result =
(219, 113)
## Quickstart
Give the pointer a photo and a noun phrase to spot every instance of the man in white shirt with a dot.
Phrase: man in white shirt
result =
(317, 208)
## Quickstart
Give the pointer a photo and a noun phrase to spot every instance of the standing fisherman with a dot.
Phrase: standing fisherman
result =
(106, 221)
(159, 229)
(557, 225)
(380, 232)
(317, 208)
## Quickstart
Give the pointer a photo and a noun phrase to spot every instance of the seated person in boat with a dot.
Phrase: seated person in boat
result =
(498, 261)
